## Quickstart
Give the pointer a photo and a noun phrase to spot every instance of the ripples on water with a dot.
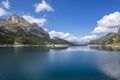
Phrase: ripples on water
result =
(73, 63)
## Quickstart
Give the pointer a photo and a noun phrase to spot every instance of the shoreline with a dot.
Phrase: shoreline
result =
(115, 46)
(49, 46)
(18, 45)
(58, 46)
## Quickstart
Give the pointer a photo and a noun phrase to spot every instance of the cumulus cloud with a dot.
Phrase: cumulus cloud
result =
(31, 19)
(71, 38)
(6, 4)
(43, 6)
(3, 12)
(109, 23)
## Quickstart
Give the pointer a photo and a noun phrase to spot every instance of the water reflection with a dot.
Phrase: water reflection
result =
(79, 48)
(109, 62)
(21, 63)
(73, 63)
(110, 65)
(106, 48)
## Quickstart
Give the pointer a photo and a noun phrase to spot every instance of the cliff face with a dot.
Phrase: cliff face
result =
(18, 26)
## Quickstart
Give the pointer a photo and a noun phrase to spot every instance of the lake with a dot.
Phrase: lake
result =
(73, 63)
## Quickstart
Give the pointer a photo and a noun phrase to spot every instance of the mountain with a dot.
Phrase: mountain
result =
(103, 40)
(57, 40)
(20, 27)
(16, 30)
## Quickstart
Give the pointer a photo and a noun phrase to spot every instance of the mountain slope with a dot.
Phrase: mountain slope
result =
(57, 40)
(115, 40)
(103, 40)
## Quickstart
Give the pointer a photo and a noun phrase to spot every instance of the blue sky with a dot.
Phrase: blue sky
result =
(73, 20)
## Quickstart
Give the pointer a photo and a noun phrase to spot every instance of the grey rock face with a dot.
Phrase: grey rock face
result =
(17, 19)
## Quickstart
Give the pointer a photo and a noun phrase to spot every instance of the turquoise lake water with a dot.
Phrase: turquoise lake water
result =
(73, 63)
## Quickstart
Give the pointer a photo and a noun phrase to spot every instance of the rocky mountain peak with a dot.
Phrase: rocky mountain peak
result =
(17, 19)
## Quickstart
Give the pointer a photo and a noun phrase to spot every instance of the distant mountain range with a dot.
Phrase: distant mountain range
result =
(109, 39)
(16, 30)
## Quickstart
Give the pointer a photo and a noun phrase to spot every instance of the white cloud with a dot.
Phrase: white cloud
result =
(31, 19)
(88, 38)
(71, 38)
(3, 12)
(109, 23)
(6, 4)
(43, 6)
